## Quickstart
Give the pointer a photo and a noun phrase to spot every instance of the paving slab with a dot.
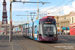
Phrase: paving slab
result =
(6, 45)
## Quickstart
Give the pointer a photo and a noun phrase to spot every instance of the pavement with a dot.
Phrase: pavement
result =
(6, 45)
(65, 42)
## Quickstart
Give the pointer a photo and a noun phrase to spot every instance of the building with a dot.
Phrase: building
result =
(0, 22)
(65, 20)
(72, 17)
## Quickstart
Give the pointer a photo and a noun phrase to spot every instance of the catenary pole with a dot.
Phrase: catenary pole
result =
(10, 34)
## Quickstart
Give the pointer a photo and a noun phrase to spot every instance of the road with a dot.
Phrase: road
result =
(65, 42)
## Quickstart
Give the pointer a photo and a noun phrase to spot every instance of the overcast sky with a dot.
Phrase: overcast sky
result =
(55, 7)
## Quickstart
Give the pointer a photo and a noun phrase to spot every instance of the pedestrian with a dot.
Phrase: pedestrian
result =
(48, 31)
(3, 33)
(62, 31)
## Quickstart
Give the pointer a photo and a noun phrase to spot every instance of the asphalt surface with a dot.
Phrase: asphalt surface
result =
(65, 42)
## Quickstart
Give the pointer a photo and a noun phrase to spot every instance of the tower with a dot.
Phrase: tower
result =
(4, 17)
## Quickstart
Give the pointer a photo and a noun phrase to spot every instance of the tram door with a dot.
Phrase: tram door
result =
(35, 34)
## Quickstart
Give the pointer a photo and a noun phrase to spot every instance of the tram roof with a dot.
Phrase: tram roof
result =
(52, 17)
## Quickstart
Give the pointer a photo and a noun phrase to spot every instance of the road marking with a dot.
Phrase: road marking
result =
(63, 39)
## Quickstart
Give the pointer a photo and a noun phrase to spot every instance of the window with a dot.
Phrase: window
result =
(72, 19)
(49, 29)
(64, 17)
(35, 29)
(40, 29)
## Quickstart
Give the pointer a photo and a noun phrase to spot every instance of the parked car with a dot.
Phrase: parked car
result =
(66, 32)
(59, 33)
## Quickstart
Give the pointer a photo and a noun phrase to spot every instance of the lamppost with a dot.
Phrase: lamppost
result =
(10, 35)
(32, 23)
(60, 24)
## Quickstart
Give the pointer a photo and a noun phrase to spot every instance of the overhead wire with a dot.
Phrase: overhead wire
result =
(60, 8)
(63, 6)
(21, 9)
(55, 6)
(42, 4)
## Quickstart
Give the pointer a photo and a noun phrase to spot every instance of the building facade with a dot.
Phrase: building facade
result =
(0, 22)
(65, 20)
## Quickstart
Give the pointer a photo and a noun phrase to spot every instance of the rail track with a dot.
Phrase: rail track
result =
(42, 45)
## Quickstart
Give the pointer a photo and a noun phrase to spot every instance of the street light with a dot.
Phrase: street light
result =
(11, 28)
(10, 35)
(60, 24)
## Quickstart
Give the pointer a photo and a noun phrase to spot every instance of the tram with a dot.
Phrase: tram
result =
(43, 29)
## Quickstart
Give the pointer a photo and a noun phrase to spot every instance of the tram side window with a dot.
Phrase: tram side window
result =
(35, 29)
(31, 29)
(40, 29)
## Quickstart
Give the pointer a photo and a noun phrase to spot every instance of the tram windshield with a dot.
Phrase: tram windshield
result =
(49, 29)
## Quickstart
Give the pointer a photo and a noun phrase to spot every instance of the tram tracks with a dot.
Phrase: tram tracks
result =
(53, 46)
(22, 45)
(32, 43)
(61, 46)
(44, 46)
(37, 45)
(50, 45)
(41, 46)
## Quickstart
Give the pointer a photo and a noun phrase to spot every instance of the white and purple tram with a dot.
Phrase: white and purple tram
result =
(41, 30)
